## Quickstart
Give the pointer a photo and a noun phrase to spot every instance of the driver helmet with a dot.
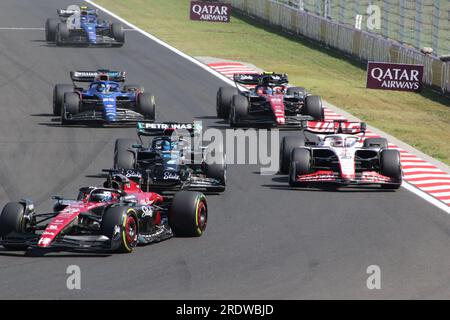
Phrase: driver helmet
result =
(102, 87)
(103, 196)
(337, 142)
(268, 90)
(164, 144)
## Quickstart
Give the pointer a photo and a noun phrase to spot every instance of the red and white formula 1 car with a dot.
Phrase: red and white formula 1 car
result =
(340, 154)
(114, 218)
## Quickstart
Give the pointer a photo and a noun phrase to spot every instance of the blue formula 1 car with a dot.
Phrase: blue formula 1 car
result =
(104, 100)
(80, 25)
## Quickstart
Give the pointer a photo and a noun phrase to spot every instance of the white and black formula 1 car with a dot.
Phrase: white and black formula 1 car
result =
(80, 25)
(338, 153)
(270, 103)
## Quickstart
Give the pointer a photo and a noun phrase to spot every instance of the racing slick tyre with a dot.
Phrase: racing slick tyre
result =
(11, 220)
(381, 143)
(287, 145)
(224, 97)
(58, 97)
(238, 110)
(133, 87)
(217, 170)
(125, 238)
(123, 157)
(147, 106)
(188, 214)
(71, 106)
(300, 91)
(117, 33)
(50, 29)
(62, 32)
(300, 164)
(313, 107)
(390, 166)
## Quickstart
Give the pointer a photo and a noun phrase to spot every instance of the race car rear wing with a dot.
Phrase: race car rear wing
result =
(336, 127)
(167, 128)
(90, 76)
(66, 13)
(275, 79)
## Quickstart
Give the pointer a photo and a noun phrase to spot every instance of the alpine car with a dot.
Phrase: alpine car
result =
(340, 154)
(114, 218)
(270, 103)
(173, 159)
(104, 99)
(80, 25)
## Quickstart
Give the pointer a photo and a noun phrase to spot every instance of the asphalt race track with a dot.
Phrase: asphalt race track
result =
(262, 241)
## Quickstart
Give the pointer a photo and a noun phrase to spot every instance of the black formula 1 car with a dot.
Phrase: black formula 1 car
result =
(104, 100)
(270, 103)
(339, 153)
(113, 218)
(80, 25)
(172, 160)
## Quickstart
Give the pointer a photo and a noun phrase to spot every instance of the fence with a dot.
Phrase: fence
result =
(314, 19)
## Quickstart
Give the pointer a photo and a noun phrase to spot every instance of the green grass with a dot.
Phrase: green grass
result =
(421, 120)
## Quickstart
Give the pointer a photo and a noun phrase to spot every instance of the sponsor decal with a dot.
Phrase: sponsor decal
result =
(171, 176)
(147, 211)
(163, 126)
(394, 76)
(207, 11)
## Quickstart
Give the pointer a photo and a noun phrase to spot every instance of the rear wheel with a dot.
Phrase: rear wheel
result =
(381, 143)
(71, 106)
(188, 214)
(223, 103)
(58, 97)
(123, 157)
(287, 145)
(50, 29)
(117, 32)
(300, 164)
(217, 170)
(11, 220)
(147, 106)
(296, 91)
(239, 110)
(390, 166)
(313, 107)
(120, 224)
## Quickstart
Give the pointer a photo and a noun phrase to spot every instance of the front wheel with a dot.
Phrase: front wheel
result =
(50, 29)
(239, 110)
(12, 220)
(120, 224)
(188, 214)
(117, 33)
(300, 164)
(217, 171)
(147, 106)
(287, 145)
(71, 106)
(390, 166)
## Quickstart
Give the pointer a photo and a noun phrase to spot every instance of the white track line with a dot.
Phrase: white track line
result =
(405, 184)
(40, 29)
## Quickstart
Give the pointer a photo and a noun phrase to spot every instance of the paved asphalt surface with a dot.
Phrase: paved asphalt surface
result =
(262, 241)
